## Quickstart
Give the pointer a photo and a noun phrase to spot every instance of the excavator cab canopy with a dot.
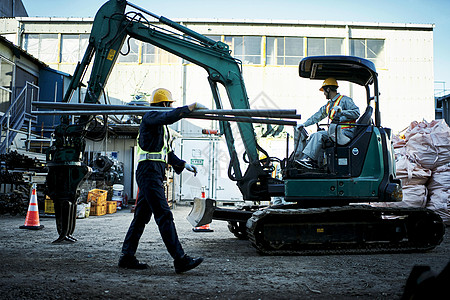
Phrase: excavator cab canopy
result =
(347, 68)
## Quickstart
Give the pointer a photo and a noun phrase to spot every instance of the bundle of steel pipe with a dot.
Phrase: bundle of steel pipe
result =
(235, 115)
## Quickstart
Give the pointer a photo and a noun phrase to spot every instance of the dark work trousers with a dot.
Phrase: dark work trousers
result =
(152, 199)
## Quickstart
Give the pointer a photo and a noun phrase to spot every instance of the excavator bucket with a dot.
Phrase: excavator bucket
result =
(202, 212)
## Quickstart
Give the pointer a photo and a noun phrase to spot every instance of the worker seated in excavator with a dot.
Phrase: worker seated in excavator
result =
(339, 109)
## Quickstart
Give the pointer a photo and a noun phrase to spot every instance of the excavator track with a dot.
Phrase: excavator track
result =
(352, 229)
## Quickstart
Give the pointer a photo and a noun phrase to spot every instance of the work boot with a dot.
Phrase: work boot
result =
(186, 263)
(307, 163)
(131, 262)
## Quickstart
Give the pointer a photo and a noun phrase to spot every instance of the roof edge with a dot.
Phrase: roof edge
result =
(252, 21)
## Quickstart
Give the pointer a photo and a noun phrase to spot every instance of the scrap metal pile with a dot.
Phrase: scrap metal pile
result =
(16, 161)
(13, 203)
(13, 167)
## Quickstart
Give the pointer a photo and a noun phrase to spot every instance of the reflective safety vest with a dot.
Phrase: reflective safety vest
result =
(333, 112)
(155, 156)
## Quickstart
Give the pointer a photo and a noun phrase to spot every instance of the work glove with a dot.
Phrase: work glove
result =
(196, 106)
(337, 109)
(300, 126)
(191, 168)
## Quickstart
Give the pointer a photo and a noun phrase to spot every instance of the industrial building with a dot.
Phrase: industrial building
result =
(270, 51)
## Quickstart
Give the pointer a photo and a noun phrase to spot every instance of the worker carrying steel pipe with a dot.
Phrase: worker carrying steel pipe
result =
(154, 154)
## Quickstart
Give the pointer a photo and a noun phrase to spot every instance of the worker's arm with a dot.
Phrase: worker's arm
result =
(317, 117)
(170, 117)
(179, 165)
(176, 163)
(165, 118)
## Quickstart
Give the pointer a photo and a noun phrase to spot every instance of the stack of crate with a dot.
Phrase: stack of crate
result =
(111, 207)
(97, 198)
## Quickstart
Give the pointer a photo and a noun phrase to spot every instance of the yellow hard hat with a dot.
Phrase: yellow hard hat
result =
(161, 95)
(329, 81)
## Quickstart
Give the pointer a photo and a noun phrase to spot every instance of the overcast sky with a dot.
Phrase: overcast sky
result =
(390, 11)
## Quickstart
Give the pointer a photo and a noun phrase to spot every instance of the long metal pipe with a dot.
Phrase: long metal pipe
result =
(128, 109)
(190, 116)
(245, 120)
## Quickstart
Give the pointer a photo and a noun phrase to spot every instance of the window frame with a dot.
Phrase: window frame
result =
(242, 56)
(13, 75)
(325, 43)
(276, 57)
(161, 56)
(379, 65)
(261, 58)
(83, 42)
(56, 51)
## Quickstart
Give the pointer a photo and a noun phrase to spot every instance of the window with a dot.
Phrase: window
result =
(245, 48)
(31, 44)
(43, 46)
(334, 46)
(370, 49)
(316, 46)
(73, 47)
(130, 51)
(148, 53)
(167, 57)
(48, 51)
(6, 77)
(284, 50)
(325, 46)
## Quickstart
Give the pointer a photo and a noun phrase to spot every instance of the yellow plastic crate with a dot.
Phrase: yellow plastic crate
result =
(111, 207)
(97, 196)
(98, 210)
(49, 206)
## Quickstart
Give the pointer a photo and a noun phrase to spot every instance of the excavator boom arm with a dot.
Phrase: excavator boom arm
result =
(112, 26)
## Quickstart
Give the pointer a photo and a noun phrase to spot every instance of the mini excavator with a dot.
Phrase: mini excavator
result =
(327, 210)
(323, 213)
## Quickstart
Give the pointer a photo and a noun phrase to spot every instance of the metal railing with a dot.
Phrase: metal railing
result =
(17, 114)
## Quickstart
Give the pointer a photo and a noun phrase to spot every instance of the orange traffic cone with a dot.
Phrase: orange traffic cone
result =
(32, 219)
(206, 227)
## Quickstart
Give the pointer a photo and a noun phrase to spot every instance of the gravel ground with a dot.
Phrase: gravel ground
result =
(34, 268)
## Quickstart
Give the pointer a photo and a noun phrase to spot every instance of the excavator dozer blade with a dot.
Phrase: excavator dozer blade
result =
(202, 212)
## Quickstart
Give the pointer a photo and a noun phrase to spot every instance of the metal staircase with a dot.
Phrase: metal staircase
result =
(18, 118)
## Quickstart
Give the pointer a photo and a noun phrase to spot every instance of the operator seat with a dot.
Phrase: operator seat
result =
(365, 119)
(347, 160)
